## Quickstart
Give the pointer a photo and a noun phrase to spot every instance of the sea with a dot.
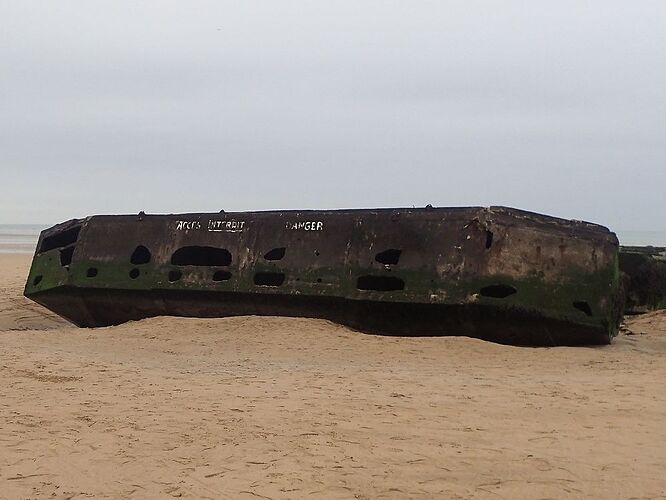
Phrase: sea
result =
(22, 238)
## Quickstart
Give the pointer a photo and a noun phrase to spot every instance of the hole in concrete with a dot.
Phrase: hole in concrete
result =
(497, 291)
(489, 238)
(140, 255)
(66, 255)
(388, 257)
(91, 272)
(134, 273)
(175, 275)
(61, 239)
(380, 283)
(268, 279)
(221, 275)
(275, 253)
(583, 306)
(201, 256)
(37, 280)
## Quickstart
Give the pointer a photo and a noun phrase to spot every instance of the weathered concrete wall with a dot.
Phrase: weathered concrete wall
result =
(482, 259)
(644, 270)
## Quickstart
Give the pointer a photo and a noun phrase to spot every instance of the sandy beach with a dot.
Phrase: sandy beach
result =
(254, 407)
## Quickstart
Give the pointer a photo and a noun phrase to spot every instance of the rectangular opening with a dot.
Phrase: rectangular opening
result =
(268, 279)
(380, 283)
(60, 240)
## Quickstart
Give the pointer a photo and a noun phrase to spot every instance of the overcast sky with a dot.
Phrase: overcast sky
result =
(162, 106)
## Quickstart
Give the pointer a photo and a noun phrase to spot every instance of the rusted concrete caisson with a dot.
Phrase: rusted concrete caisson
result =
(493, 273)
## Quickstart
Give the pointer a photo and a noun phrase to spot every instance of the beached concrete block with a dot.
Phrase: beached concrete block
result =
(644, 270)
(494, 273)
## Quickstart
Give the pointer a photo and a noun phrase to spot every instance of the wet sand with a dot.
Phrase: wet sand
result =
(255, 407)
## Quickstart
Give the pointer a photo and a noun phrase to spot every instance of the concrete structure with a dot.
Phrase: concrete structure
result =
(644, 270)
(494, 273)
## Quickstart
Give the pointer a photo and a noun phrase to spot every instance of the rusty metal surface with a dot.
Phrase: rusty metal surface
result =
(485, 272)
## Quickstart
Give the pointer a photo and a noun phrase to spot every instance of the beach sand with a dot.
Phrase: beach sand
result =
(254, 407)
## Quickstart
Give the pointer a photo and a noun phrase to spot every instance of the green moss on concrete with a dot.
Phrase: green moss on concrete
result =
(549, 298)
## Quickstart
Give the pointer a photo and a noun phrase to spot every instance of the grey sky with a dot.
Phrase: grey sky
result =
(162, 106)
